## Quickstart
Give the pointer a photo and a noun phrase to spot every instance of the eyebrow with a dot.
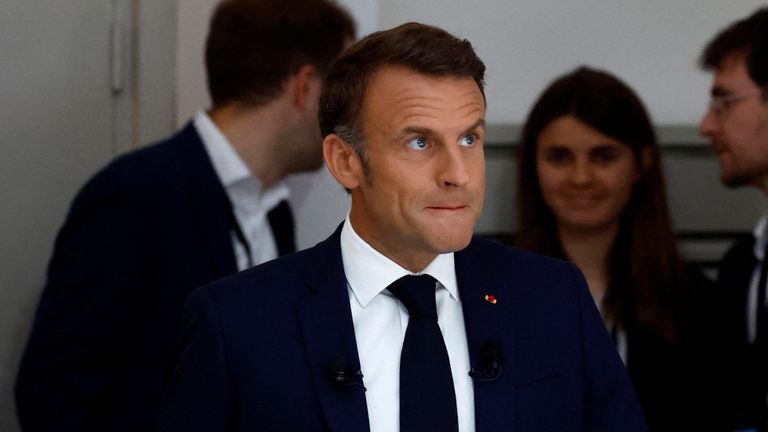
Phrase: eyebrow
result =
(480, 124)
(602, 145)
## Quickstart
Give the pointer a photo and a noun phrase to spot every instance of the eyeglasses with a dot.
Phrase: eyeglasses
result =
(721, 104)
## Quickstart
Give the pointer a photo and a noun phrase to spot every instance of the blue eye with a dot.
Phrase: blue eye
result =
(419, 143)
(467, 140)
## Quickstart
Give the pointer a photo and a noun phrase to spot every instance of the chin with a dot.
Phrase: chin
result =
(453, 242)
(591, 225)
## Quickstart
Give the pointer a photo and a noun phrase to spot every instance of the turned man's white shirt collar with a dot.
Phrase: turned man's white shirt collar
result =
(226, 162)
(250, 201)
(229, 166)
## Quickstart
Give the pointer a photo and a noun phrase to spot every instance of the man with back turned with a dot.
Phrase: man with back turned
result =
(158, 222)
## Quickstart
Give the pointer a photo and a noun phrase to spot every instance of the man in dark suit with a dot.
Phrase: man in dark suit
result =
(161, 221)
(400, 321)
(737, 124)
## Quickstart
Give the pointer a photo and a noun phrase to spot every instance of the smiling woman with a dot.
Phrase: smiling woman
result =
(591, 190)
(586, 176)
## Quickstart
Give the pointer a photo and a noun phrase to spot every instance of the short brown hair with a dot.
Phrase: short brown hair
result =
(425, 49)
(254, 45)
(748, 37)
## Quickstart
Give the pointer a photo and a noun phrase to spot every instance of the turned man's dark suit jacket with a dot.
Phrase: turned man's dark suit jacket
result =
(260, 350)
(140, 236)
(747, 371)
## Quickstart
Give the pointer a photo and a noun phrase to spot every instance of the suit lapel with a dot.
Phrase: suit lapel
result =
(329, 338)
(484, 321)
(210, 201)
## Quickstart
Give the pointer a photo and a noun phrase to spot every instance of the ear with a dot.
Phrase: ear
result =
(343, 162)
(305, 87)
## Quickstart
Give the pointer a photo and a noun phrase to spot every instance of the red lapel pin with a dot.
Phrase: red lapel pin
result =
(490, 298)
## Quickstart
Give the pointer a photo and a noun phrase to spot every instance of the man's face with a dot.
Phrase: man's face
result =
(422, 190)
(737, 124)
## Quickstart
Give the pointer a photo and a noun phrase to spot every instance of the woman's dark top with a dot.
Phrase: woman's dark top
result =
(678, 383)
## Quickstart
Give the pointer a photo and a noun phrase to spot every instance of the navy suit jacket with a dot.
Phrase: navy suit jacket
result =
(745, 368)
(260, 350)
(139, 237)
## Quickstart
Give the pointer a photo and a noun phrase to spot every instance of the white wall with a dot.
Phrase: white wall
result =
(63, 118)
(651, 44)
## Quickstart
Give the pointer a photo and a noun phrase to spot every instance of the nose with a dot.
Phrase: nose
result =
(453, 168)
(581, 173)
(709, 124)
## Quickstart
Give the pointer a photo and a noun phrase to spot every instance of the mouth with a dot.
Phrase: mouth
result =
(448, 207)
(582, 200)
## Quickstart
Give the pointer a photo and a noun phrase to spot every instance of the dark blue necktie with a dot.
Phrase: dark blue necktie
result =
(427, 397)
(281, 222)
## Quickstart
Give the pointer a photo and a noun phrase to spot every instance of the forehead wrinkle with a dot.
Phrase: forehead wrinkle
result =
(437, 87)
(417, 104)
(424, 100)
(417, 108)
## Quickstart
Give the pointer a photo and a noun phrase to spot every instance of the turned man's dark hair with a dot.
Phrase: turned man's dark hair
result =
(424, 49)
(747, 37)
(253, 46)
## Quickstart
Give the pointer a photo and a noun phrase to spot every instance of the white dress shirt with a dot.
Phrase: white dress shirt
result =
(250, 202)
(380, 321)
(761, 238)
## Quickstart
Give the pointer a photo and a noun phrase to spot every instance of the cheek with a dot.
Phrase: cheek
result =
(550, 182)
(478, 176)
(620, 183)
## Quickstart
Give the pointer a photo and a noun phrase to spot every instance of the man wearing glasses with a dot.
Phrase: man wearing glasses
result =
(737, 125)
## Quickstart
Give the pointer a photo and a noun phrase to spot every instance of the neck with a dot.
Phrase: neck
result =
(411, 260)
(255, 135)
(590, 250)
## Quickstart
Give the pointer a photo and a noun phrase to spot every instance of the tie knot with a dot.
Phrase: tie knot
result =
(417, 294)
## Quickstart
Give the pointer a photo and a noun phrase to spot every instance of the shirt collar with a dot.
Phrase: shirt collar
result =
(369, 272)
(226, 162)
(232, 171)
